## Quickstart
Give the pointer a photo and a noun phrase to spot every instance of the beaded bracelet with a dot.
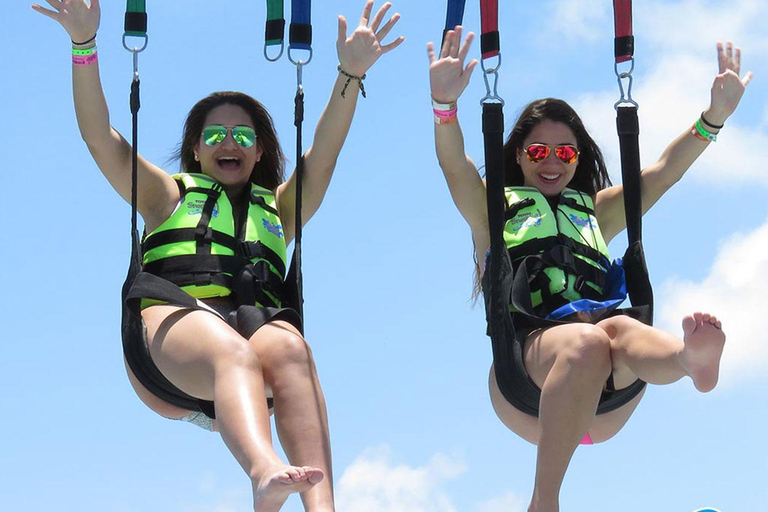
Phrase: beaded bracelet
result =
(349, 79)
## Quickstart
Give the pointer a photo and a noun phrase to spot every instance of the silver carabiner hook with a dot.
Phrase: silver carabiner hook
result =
(625, 97)
(135, 51)
(491, 93)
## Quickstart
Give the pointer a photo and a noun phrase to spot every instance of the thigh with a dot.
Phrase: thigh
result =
(187, 344)
(540, 350)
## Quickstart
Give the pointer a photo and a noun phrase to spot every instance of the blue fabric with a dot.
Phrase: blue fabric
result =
(615, 291)
(301, 14)
(455, 15)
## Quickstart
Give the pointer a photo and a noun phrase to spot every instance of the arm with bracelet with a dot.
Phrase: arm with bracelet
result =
(677, 158)
(357, 53)
(448, 78)
(158, 192)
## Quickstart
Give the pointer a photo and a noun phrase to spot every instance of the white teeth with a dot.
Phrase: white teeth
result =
(550, 176)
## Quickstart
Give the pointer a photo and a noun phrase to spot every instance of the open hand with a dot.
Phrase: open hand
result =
(729, 86)
(447, 75)
(363, 47)
(79, 18)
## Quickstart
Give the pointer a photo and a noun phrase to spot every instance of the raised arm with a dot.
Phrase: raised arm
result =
(677, 158)
(357, 53)
(157, 192)
(448, 78)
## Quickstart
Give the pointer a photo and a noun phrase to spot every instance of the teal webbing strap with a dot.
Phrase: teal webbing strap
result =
(136, 18)
(275, 29)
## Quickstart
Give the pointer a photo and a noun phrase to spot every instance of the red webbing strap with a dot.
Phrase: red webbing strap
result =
(489, 16)
(624, 43)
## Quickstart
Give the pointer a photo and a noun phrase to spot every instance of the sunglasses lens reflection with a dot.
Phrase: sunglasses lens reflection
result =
(567, 154)
(244, 135)
(214, 134)
(537, 152)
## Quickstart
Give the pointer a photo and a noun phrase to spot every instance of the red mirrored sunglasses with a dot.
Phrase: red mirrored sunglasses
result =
(567, 153)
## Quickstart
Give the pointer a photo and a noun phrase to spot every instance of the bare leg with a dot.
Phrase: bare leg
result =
(204, 357)
(300, 413)
(659, 357)
(573, 377)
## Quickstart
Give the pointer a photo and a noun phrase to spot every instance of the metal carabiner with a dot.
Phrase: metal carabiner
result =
(299, 62)
(299, 74)
(135, 51)
(491, 93)
(625, 97)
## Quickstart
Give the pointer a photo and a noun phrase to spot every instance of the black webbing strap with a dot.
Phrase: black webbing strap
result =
(134, 348)
(295, 294)
(497, 280)
(635, 268)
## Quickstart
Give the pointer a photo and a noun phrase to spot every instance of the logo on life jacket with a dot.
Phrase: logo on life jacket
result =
(582, 222)
(275, 229)
(195, 207)
(526, 220)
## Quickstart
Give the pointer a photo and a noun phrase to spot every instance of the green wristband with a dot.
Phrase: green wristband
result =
(712, 137)
(84, 52)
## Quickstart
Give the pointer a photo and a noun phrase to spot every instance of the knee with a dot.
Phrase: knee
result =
(238, 353)
(287, 349)
(589, 348)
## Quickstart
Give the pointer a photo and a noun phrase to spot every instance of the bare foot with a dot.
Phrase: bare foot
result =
(704, 342)
(275, 486)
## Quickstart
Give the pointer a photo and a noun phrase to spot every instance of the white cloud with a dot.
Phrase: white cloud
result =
(373, 483)
(508, 502)
(682, 26)
(584, 19)
(733, 290)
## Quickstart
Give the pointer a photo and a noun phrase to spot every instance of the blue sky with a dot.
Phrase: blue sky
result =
(400, 348)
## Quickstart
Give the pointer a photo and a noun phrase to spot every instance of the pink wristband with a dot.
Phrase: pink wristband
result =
(446, 113)
(85, 60)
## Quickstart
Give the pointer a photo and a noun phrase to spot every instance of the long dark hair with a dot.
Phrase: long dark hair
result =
(591, 173)
(269, 171)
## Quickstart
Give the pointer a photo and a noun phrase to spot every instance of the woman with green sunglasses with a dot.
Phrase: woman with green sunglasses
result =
(239, 356)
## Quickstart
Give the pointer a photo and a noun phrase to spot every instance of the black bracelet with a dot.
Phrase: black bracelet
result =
(349, 79)
(88, 41)
(716, 127)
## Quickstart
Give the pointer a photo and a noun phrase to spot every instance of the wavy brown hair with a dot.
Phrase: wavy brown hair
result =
(269, 171)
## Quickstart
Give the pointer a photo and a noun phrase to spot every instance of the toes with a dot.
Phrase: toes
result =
(689, 324)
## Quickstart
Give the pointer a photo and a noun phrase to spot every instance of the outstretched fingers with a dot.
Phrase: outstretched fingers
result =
(54, 15)
(465, 47)
(366, 17)
(385, 30)
(380, 16)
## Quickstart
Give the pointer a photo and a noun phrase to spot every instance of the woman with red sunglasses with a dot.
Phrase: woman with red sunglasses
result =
(558, 184)
(235, 355)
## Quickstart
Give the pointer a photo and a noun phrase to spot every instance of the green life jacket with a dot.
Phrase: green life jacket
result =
(198, 249)
(570, 256)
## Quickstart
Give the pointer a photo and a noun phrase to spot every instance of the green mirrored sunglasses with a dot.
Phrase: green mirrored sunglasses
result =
(216, 133)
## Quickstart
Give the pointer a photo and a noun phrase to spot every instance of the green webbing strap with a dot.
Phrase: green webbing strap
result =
(136, 18)
(275, 29)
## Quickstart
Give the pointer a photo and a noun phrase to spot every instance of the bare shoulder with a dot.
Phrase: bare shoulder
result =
(609, 211)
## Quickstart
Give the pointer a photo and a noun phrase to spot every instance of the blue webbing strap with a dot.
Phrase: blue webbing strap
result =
(454, 16)
(300, 30)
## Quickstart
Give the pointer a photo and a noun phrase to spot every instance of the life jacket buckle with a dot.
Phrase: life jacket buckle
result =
(251, 250)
